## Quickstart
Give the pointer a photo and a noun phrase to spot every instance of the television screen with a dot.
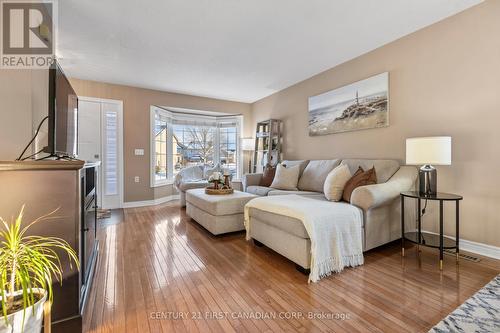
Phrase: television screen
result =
(63, 115)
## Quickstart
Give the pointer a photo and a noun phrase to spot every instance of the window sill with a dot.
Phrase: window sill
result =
(163, 183)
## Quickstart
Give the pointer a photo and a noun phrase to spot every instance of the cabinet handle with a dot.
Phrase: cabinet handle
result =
(86, 229)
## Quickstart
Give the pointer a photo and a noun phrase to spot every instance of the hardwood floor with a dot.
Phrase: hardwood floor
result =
(159, 271)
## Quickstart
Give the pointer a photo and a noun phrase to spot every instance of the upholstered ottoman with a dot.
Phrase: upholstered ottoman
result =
(219, 214)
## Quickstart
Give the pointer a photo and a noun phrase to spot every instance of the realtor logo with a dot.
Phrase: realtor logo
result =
(28, 32)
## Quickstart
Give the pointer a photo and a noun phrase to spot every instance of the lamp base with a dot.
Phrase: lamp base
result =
(427, 180)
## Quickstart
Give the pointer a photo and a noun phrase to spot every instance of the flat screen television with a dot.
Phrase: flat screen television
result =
(63, 115)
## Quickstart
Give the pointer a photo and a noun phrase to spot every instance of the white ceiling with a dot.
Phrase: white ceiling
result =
(230, 49)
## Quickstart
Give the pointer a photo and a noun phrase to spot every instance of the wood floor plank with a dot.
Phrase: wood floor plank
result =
(159, 271)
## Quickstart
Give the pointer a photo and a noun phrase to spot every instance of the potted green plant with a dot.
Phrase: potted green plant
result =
(27, 265)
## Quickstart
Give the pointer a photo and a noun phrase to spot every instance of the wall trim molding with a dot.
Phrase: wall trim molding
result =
(134, 204)
(480, 248)
(475, 247)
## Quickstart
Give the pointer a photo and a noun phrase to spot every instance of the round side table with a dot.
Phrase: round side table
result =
(429, 239)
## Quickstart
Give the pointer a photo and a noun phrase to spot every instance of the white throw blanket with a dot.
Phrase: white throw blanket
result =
(335, 230)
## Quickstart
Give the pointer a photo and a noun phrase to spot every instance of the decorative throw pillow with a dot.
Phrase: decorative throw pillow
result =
(286, 178)
(360, 178)
(268, 176)
(335, 182)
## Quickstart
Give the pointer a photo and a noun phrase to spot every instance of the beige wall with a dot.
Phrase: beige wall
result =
(23, 104)
(136, 108)
(444, 80)
(15, 112)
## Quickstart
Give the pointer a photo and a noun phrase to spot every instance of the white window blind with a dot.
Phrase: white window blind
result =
(111, 153)
(160, 148)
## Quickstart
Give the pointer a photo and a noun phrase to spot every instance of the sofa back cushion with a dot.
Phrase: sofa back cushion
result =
(383, 168)
(315, 173)
(286, 178)
(301, 163)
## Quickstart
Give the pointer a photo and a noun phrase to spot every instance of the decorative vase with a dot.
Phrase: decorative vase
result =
(33, 317)
(227, 182)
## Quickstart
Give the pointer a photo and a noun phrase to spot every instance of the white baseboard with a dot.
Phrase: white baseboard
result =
(480, 248)
(134, 204)
(475, 247)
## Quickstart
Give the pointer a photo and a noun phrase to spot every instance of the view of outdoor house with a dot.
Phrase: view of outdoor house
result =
(196, 145)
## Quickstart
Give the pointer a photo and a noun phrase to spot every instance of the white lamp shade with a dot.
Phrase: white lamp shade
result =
(434, 150)
(247, 144)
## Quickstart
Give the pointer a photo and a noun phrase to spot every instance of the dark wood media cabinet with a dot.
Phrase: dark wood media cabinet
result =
(70, 186)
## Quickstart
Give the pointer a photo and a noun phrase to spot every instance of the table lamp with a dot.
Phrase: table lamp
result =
(248, 145)
(428, 151)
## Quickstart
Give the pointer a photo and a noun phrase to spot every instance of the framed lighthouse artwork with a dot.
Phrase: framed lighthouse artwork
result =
(360, 105)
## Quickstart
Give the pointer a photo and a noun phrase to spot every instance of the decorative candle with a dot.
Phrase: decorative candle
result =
(226, 172)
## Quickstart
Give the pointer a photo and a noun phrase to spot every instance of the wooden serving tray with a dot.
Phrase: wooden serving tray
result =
(212, 191)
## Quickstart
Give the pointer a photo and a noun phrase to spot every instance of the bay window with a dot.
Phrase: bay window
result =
(228, 148)
(180, 140)
(193, 145)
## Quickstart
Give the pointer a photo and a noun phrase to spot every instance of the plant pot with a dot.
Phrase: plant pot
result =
(32, 319)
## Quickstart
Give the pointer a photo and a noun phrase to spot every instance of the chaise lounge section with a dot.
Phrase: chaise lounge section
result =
(380, 204)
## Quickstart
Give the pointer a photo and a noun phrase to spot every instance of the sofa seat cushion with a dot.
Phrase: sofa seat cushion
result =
(384, 168)
(288, 224)
(258, 190)
(219, 205)
(304, 193)
(282, 222)
(200, 183)
(314, 175)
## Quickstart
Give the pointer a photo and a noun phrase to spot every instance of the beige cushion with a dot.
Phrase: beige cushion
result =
(384, 168)
(219, 204)
(335, 182)
(301, 163)
(282, 222)
(258, 190)
(287, 223)
(286, 178)
(314, 175)
(303, 193)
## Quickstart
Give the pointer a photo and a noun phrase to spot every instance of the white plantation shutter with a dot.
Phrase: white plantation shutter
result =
(110, 152)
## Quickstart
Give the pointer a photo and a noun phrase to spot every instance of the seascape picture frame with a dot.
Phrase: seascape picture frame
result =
(360, 105)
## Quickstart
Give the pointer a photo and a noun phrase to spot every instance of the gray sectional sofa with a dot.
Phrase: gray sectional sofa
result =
(379, 202)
